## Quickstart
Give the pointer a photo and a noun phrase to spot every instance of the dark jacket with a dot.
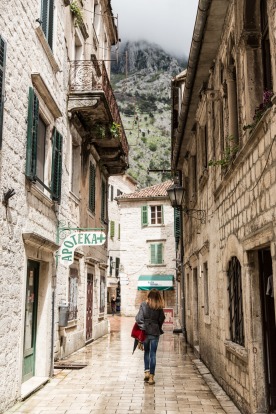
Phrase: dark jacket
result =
(150, 320)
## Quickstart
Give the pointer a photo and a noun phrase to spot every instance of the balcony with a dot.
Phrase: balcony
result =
(93, 110)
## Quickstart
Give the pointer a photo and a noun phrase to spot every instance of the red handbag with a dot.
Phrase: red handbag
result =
(137, 333)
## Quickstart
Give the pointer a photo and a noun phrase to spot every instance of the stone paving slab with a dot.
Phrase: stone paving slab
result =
(112, 382)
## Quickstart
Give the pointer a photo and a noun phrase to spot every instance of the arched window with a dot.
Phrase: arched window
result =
(235, 301)
(266, 55)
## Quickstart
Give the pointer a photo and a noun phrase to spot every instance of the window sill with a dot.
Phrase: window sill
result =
(72, 324)
(237, 350)
(47, 49)
(40, 195)
(73, 197)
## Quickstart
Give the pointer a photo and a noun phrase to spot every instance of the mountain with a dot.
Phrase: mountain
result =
(141, 81)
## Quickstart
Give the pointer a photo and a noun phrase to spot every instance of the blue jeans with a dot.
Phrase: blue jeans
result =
(150, 348)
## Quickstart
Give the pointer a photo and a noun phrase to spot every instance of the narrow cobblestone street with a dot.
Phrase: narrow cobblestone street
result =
(112, 382)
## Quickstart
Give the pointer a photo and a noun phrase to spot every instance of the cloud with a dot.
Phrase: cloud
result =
(169, 23)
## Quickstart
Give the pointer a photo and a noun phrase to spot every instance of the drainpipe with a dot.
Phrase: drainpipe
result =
(201, 18)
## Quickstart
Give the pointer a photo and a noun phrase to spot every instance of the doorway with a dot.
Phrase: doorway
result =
(269, 325)
(195, 307)
(30, 323)
(89, 306)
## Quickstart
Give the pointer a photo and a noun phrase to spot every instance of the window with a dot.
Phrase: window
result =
(110, 265)
(204, 146)
(103, 203)
(73, 294)
(92, 181)
(156, 214)
(47, 17)
(112, 229)
(2, 83)
(119, 231)
(41, 147)
(206, 288)
(156, 253)
(111, 193)
(235, 301)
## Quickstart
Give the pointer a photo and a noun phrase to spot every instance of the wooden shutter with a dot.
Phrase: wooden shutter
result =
(103, 206)
(144, 216)
(31, 154)
(47, 17)
(159, 253)
(56, 165)
(92, 182)
(156, 253)
(112, 229)
(2, 83)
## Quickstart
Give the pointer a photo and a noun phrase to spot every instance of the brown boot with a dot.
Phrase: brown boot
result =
(147, 375)
(151, 379)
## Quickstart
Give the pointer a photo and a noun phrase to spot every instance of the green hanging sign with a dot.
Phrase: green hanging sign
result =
(85, 238)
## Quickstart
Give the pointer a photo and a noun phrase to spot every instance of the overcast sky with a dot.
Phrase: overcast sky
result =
(169, 23)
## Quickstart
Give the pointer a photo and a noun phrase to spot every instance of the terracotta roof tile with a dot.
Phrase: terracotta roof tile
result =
(158, 190)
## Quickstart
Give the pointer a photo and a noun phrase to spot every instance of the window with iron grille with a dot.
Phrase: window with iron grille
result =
(235, 301)
(47, 18)
(73, 294)
(2, 83)
(177, 226)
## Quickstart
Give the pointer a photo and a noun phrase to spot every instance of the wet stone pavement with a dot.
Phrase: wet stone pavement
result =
(112, 382)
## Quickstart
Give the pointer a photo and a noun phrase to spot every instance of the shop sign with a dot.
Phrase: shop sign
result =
(85, 238)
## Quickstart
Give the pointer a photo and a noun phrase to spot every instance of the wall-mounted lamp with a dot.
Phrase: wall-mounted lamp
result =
(176, 194)
(7, 195)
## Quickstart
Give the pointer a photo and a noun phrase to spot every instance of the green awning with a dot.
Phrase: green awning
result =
(159, 282)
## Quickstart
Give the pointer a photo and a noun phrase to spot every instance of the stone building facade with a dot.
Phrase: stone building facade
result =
(224, 151)
(61, 137)
(117, 185)
(147, 247)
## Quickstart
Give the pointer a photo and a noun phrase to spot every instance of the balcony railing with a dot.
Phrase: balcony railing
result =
(91, 76)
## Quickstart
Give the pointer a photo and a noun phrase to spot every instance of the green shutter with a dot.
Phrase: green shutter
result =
(103, 204)
(92, 188)
(159, 253)
(112, 229)
(2, 83)
(177, 225)
(31, 154)
(144, 216)
(47, 17)
(152, 253)
(56, 165)
(156, 253)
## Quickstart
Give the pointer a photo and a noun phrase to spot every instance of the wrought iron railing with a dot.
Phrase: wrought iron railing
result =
(90, 76)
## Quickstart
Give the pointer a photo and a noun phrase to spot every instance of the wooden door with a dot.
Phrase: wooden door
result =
(89, 306)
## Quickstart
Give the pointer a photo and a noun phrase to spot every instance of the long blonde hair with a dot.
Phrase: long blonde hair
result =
(155, 300)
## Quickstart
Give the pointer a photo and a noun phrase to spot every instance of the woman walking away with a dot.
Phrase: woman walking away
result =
(150, 319)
